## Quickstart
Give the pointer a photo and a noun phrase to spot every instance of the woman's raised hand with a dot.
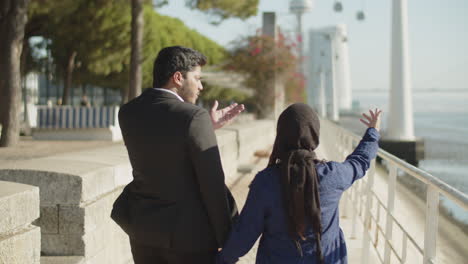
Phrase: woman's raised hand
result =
(373, 120)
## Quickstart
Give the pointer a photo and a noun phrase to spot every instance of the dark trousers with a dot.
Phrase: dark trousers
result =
(150, 255)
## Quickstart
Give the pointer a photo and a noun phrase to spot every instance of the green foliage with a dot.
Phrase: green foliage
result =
(99, 31)
(211, 93)
(162, 31)
(159, 3)
(223, 9)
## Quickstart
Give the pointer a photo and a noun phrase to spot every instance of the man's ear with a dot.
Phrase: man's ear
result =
(178, 78)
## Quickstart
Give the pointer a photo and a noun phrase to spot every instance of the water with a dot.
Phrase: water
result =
(441, 119)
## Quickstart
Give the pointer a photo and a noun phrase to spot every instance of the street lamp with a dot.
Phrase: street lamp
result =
(299, 7)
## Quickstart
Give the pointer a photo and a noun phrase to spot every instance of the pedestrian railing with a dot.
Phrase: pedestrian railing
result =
(73, 117)
(377, 215)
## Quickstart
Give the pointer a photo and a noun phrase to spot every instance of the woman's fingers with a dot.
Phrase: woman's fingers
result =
(364, 122)
(378, 112)
(367, 117)
(373, 119)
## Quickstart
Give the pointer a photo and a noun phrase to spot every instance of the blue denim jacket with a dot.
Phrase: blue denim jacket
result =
(263, 214)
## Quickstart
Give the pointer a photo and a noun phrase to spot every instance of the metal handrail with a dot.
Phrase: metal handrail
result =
(457, 196)
(460, 198)
(343, 141)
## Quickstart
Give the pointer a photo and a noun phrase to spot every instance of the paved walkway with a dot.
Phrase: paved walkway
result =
(28, 148)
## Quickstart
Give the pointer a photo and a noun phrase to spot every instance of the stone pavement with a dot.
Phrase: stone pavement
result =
(28, 148)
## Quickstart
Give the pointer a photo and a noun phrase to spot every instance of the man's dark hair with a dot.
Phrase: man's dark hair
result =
(173, 59)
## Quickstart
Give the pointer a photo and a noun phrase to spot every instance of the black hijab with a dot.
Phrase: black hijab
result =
(297, 136)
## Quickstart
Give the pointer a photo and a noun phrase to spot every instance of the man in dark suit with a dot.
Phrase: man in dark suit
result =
(177, 209)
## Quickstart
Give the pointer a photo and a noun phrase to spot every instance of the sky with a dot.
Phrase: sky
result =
(437, 31)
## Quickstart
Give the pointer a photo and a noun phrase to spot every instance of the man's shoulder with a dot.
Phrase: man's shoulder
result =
(168, 105)
(187, 110)
(188, 107)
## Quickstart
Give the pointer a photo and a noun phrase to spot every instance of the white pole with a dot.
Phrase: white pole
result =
(400, 115)
(300, 43)
(431, 227)
(343, 80)
(321, 98)
(316, 77)
(331, 80)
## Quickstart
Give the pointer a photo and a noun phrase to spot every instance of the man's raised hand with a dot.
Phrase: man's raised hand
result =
(221, 117)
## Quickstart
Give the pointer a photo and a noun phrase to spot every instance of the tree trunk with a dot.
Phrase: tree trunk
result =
(68, 78)
(137, 41)
(13, 17)
(26, 126)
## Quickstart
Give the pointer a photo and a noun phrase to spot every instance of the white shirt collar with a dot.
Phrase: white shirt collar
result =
(169, 91)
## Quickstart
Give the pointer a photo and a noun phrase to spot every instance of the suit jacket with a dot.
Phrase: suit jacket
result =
(178, 198)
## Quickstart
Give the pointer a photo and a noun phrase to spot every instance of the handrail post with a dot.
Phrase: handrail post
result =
(390, 206)
(356, 204)
(347, 196)
(431, 228)
(363, 205)
(367, 218)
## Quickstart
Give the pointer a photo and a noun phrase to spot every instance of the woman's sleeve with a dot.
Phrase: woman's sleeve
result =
(358, 162)
(249, 227)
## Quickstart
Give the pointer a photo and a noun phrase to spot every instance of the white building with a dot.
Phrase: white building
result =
(329, 84)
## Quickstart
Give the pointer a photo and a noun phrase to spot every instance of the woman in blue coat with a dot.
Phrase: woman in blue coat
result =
(293, 203)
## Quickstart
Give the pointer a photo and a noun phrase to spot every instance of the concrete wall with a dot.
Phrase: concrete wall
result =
(111, 133)
(20, 241)
(77, 191)
(239, 142)
(76, 195)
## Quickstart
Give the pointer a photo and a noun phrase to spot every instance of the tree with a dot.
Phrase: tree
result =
(223, 9)
(135, 57)
(103, 52)
(103, 30)
(218, 9)
(260, 58)
(89, 38)
(13, 17)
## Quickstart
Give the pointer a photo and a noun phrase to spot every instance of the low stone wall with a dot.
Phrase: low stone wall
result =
(111, 133)
(20, 241)
(77, 191)
(76, 195)
(239, 142)
(258, 135)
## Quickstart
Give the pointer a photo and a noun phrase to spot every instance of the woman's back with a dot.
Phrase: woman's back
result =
(264, 213)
